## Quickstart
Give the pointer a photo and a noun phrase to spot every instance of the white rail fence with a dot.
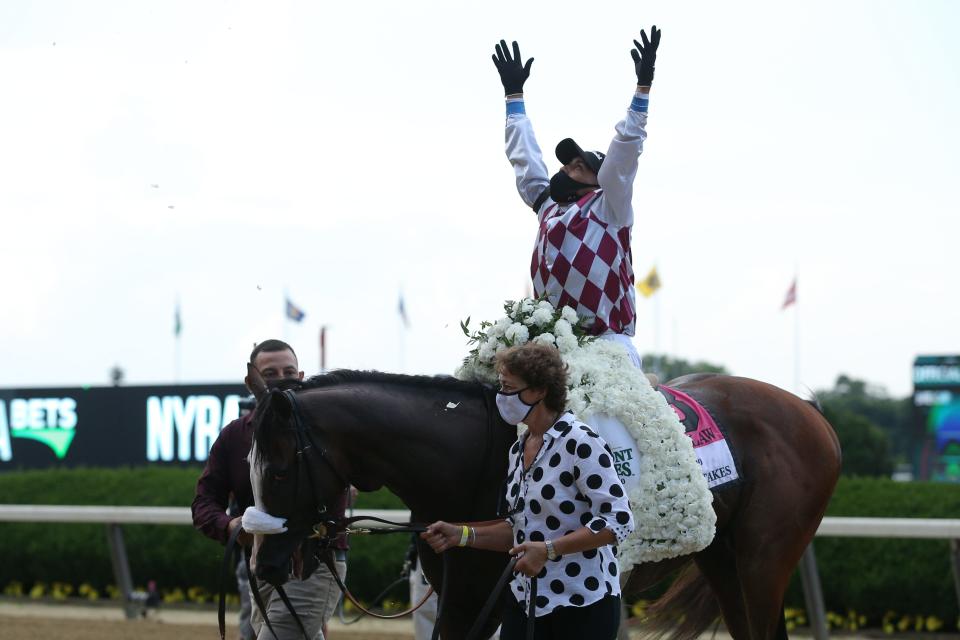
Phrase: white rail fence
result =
(115, 517)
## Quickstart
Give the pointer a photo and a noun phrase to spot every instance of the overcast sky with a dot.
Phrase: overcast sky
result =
(224, 153)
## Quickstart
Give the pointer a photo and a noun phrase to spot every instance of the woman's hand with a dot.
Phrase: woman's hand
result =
(442, 536)
(533, 555)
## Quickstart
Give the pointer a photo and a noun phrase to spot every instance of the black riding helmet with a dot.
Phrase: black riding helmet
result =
(567, 150)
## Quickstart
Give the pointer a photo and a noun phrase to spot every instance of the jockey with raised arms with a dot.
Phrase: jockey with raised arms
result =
(582, 256)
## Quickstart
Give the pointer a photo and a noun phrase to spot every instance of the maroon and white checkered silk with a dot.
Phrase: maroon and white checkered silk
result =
(585, 262)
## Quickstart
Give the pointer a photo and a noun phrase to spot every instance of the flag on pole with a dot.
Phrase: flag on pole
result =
(649, 285)
(177, 325)
(323, 348)
(791, 295)
(294, 312)
(402, 310)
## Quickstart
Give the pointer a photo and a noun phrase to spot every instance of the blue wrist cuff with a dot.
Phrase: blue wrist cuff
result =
(640, 103)
(515, 107)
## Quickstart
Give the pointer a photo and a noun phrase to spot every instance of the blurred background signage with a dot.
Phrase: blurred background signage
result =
(936, 404)
(113, 426)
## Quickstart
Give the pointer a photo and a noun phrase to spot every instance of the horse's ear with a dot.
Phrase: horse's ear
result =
(255, 382)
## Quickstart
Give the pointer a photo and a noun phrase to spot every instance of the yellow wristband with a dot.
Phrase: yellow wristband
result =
(464, 535)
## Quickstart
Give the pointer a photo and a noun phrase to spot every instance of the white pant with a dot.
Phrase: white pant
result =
(426, 616)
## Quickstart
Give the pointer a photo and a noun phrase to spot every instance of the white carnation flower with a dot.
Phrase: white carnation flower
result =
(568, 314)
(542, 317)
(517, 333)
(566, 344)
(499, 327)
(545, 338)
(488, 349)
(526, 305)
(496, 330)
(545, 304)
(516, 308)
(562, 328)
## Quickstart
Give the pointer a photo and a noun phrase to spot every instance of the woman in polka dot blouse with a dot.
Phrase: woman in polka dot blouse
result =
(568, 508)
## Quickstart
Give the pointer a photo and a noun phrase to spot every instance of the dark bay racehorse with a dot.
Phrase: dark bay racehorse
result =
(439, 445)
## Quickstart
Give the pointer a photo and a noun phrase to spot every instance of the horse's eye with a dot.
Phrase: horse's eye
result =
(277, 473)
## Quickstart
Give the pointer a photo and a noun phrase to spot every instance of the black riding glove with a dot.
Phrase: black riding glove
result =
(512, 73)
(645, 56)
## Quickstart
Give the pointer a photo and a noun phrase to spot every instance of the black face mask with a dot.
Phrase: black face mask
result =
(563, 188)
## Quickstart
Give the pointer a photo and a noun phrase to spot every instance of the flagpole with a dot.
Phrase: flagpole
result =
(796, 336)
(401, 327)
(675, 340)
(323, 348)
(286, 300)
(658, 357)
(177, 330)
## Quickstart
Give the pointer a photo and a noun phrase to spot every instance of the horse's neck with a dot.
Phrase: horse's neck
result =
(431, 447)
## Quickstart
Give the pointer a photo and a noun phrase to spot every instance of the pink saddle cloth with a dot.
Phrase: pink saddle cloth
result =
(712, 449)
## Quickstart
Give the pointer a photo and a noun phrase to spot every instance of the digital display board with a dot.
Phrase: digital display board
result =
(113, 426)
(936, 402)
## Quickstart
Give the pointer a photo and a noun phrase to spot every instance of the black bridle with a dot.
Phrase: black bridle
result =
(327, 529)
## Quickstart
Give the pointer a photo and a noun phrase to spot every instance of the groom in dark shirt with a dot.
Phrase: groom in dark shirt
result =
(228, 472)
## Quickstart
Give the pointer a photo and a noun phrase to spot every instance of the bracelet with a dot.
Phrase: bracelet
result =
(465, 533)
(472, 538)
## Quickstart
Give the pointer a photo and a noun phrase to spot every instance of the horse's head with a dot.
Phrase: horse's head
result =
(292, 481)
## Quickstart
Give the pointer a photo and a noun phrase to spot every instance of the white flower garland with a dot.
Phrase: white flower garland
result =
(672, 507)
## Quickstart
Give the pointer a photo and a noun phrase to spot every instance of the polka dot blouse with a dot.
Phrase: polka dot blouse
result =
(571, 484)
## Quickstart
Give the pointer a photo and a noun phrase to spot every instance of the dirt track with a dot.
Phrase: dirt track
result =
(55, 622)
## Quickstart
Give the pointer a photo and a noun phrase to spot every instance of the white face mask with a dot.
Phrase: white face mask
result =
(512, 408)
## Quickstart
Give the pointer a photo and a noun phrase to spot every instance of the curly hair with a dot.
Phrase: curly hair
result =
(540, 366)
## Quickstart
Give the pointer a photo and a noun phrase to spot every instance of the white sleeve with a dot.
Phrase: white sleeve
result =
(524, 153)
(620, 166)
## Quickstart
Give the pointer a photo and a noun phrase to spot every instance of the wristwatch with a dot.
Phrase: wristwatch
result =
(551, 552)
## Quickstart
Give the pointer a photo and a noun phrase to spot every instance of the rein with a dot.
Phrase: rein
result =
(321, 532)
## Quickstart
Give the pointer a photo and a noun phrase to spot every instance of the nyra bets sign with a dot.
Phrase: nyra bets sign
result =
(113, 426)
(52, 421)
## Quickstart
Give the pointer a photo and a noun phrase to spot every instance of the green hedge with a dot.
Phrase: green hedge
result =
(870, 576)
(874, 576)
(174, 556)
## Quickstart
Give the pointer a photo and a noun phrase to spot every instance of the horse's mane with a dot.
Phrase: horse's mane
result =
(265, 411)
(346, 376)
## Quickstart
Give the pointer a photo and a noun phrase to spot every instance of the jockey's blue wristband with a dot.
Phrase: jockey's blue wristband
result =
(515, 107)
(640, 103)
